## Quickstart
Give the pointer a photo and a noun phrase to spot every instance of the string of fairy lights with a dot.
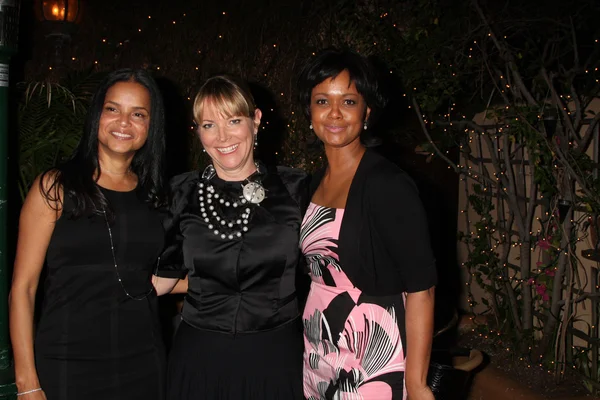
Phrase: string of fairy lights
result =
(467, 171)
(149, 24)
(538, 240)
(430, 123)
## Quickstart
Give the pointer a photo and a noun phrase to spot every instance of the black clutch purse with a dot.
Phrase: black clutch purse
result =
(450, 373)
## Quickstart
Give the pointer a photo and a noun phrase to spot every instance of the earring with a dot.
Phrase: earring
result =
(204, 150)
(255, 141)
(365, 126)
(310, 127)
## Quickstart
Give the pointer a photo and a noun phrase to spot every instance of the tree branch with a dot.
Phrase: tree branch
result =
(578, 111)
(510, 291)
(559, 104)
(511, 191)
(506, 55)
(589, 134)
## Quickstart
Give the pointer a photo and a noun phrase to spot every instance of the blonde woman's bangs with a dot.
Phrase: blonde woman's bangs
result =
(228, 98)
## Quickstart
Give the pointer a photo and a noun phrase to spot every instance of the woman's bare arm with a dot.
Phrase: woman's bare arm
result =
(36, 225)
(419, 336)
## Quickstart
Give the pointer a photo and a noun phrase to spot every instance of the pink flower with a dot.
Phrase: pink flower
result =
(541, 289)
(543, 244)
(545, 297)
(550, 272)
(530, 281)
(539, 263)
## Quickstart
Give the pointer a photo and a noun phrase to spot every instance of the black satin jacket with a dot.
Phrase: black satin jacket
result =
(241, 285)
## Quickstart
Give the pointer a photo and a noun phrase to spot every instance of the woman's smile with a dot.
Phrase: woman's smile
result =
(227, 150)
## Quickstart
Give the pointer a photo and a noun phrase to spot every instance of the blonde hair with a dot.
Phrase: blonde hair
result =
(229, 95)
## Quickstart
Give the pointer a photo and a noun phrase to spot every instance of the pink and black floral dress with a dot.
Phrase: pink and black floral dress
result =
(354, 341)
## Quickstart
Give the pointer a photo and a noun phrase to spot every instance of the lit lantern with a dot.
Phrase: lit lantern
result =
(59, 18)
(61, 11)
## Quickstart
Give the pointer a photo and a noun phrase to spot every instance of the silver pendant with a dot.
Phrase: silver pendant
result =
(253, 192)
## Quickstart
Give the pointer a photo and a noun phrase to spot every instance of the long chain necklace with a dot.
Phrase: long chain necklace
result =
(212, 205)
(112, 250)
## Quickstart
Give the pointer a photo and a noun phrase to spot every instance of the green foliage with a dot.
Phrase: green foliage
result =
(523, 64)
(452, 64)
(50, 122)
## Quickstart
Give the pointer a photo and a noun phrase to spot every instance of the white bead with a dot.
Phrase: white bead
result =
(210, 226)
(226, 204)
(222, 222)
(230, 237)
(245, 229)
(216, 232)
(214, 213)
(248, 211)
(216, 195)
(209, 201)
(218, 218)
(230, 225)
(201, 198)
(234, 205)
(221, 201)
(201, 184)
(202, 209)
(245, 221)
(239, 221)
(239, 234)
(211, 208)
(206, 220)
(200, 191)
(204, 215)
(223, 236)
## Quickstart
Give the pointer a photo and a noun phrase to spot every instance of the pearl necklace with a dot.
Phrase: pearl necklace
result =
(213, 203)
(114, 257)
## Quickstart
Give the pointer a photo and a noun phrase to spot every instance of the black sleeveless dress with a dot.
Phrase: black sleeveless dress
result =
(93, 341)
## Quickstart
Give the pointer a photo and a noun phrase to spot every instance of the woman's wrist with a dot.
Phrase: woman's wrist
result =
(26, 392)
(416, 385)
(24, 385)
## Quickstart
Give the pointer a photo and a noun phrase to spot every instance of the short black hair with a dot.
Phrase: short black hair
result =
(329, 63)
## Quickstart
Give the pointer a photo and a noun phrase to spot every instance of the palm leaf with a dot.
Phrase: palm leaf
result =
(50, 121)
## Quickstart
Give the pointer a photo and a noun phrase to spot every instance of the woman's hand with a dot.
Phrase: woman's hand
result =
(423, 393)
(164, 285)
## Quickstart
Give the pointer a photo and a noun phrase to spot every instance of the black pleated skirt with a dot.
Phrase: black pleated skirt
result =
(256, 366)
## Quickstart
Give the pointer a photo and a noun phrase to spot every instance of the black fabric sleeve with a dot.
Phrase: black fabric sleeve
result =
(401, 224)
(297, 184)
(171, 263)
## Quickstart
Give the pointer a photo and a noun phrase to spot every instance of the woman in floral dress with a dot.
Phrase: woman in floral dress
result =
(368, 320)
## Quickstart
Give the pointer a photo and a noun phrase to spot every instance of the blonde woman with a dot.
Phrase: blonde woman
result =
(233, 229)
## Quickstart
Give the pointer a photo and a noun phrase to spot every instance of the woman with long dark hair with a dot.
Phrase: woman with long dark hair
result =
(368, 319)
(94, 222)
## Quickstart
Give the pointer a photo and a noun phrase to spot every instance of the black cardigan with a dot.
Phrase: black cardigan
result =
(384, 245)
